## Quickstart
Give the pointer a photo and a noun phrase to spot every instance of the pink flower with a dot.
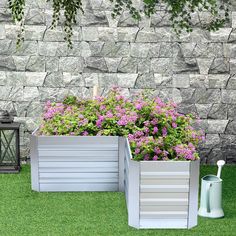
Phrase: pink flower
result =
(85, 133)
(137, 151)
(174, 125)
(164, 132)
(138, 106)
(155, 158)
(155, 130)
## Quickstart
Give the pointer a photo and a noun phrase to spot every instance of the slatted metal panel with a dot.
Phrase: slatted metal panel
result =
(164, 193)
(68, 163)
(126, 172)
(164, 188)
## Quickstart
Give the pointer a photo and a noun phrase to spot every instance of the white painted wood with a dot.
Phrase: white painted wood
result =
(34, 163)
(121, 161)
(78, 187)
(193, 193)
(163, 224)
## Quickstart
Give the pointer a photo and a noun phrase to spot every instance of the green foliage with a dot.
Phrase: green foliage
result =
(155, 129)
(180, 12)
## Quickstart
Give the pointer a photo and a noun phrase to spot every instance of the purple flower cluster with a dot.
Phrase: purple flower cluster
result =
(184, 151)
(155, 130)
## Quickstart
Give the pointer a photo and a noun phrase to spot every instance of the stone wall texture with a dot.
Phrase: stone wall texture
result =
(197, 70)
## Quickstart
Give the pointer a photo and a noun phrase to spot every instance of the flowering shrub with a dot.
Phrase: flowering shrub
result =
(155, 130)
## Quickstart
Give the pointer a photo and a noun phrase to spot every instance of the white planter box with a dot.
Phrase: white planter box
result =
(161, 194)
(76, 163)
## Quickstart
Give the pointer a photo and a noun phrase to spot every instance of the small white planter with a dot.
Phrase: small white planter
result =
(161, 194)
(76, 163)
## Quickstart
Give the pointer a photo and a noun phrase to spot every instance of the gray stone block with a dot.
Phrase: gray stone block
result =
(35, 17)
(231, 128)
(218, 81)
(71, 64)
(232, 82)
(73, 80)
(54, 80)
(128, 65)
(207, 96)
(212, 140)
(180, 81)
(203, 110)
(162, 65)
(139, 50)
(145, 81)
(52, 64)
(36, 63)
(218, 111)
(95, 64)
(231, 112)
(219, 66)
(228, 96)
(112, 63)
(7, 63)
(217, 126)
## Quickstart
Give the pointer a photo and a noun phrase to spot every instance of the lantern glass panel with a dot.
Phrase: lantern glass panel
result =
(9, 148)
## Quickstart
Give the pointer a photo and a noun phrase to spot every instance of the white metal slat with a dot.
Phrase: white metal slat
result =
(77, 180)
(79, 187)
(163, 201)
(78, 170)
(77, 153)
(164, 188)
(79, 164)
(79, 175)
(164, 174)
(163, 223)
(163, 208)
(164, 215)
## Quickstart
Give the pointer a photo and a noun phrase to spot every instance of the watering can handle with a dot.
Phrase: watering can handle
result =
(208, 197)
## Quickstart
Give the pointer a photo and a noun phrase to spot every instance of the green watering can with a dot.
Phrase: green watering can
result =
(211, 195)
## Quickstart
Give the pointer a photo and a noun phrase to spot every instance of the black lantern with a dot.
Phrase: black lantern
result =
(9, 144)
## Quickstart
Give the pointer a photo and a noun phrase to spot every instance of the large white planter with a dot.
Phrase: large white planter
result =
(76, 163)
(161, 194)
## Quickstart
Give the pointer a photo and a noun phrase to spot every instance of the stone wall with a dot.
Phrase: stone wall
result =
(196, 70)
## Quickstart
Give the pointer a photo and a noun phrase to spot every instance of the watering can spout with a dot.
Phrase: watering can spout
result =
(220, 164)
(211, 194)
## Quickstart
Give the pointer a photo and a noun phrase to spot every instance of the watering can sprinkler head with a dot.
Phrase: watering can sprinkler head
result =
(220, 164)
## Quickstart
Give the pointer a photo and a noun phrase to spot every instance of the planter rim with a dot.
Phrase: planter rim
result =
(34, 133)
(164, 161)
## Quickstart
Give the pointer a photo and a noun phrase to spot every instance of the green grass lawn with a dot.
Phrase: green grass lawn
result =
(24, 212)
